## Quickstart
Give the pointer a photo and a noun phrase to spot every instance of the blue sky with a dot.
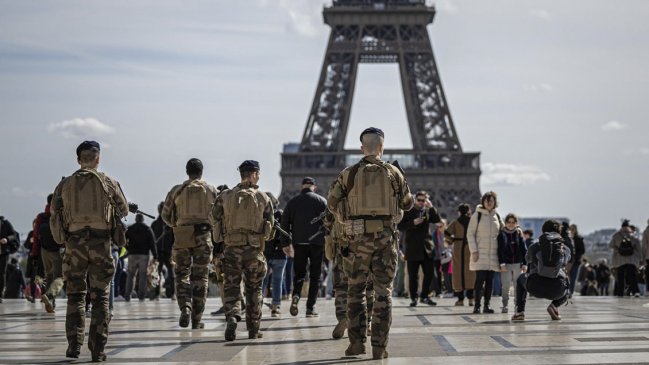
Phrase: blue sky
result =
(553, 94)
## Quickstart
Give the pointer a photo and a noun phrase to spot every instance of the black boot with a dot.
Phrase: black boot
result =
(476, 306)
(487, 309)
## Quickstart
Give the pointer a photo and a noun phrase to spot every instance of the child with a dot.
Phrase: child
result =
(547, 278)
(511, 255)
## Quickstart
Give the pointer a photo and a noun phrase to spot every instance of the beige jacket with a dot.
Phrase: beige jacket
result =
(483, 239)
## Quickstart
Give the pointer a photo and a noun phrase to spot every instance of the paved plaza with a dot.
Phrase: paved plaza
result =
(594, 330)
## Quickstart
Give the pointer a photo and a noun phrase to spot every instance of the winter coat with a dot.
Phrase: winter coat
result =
(140, 240)
(463, 278)
(580, 248)
(483, 239)
(619, 260)
(297, 216)
(511, 247)
(415, 235)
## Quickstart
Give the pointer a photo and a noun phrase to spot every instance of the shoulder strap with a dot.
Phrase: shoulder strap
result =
(477, 224)
(103, 185)
(352, 176)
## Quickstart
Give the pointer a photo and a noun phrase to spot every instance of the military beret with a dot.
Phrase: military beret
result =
(87, 145)
(372, 130)
(249, 165)
(308, 180)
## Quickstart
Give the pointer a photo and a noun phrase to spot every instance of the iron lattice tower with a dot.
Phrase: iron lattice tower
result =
(383, 31)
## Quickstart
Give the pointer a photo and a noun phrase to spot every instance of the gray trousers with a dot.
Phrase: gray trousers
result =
(507, 278)
(137, 264)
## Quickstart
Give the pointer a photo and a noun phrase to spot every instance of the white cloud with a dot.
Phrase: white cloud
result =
(80, 128)
(540, 13)
(543, 87)
(511, 174)
(305, 16)
(613, 125)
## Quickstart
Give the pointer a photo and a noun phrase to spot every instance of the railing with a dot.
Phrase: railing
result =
(409, 160)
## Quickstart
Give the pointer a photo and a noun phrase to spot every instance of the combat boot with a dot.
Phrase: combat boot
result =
(379, 353)
(357, 348)
(99, 356)
(185, 316)
(73, 351)
(339, 330)
(198, 325)
(231, 329)
(253, 331)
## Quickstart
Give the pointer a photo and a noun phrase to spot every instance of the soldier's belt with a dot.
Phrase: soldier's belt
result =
(91, 232)
(361, 226)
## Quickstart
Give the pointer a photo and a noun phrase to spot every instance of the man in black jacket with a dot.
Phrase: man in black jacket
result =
(580, 249)
(419, 246)
(9, 242)
(307, 245)
(140, 241)
(164, 240)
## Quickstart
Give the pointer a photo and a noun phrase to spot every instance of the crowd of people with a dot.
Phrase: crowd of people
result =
(361, 245)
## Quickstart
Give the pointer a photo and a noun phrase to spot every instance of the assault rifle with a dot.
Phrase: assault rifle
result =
(283, 232)
(321, 229)
(133, 208)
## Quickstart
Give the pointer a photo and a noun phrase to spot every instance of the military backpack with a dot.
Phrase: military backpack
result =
(372, 191)
(85, 202)
(193, 203)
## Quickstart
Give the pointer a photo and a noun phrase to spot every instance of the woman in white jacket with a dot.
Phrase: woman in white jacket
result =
(482, 235)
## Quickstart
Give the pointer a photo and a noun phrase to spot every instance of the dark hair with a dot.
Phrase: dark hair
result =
(529, 232)
(463, 208)
(49, 198)
(489, 195)
(194, 167)
(139, 218)
(510, 216)
(551, 226)
(421, 193)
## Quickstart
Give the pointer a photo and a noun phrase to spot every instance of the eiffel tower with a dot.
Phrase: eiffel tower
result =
(383, 31)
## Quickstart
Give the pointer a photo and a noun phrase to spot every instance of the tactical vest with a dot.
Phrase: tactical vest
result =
(244, 215)
(372, 192)
(194, 203)
(85, 202)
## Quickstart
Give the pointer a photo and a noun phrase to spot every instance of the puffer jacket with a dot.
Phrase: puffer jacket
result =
(483, 239)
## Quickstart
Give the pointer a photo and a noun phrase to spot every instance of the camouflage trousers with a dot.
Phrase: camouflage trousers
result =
(191, 270)
(53, 267)
(249, 263)
(372, 254)
(217, 262)
(88, 256)
(340, 285)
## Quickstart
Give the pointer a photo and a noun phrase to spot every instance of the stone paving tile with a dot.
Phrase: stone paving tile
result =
(594, 330)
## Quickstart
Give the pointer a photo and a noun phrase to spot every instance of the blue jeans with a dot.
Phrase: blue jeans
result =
(288, 277)
(276, 266)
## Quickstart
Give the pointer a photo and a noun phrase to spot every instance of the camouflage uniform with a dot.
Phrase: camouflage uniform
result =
(370, 253)
(88, 254)
(191, 253)
(243, 259)
(340, 272)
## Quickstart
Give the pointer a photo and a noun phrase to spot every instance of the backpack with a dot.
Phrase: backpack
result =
(626, 246)
(549, 256)
(244, 210)
(86, 202)
(44, 234)
(371, 191)
(193, 205)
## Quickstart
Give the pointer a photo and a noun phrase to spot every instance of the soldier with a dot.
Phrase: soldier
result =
(244, 223)
(337, 251)
(189, 210)
(368, 199)
(86, 208)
